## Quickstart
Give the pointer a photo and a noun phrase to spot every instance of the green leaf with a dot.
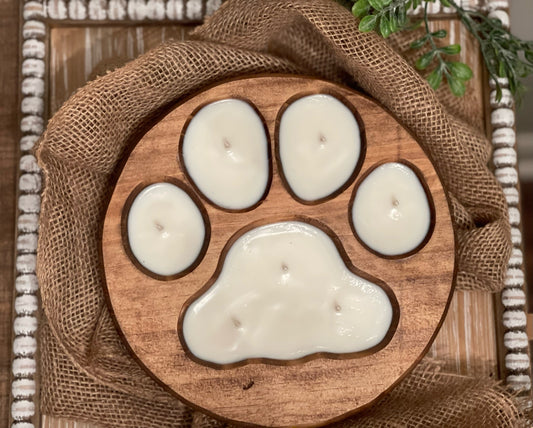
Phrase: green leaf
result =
(384, 27)
(456, 86)
(402, 16)
(417, 44)
(423, 62)
(360, 8)
(368, 23)
(439, 34)
(445, 3)
(529, 56)
(451, 50)
(502, 70)
(377, 4)
(435, 78)
(393, 22)
(460, 70)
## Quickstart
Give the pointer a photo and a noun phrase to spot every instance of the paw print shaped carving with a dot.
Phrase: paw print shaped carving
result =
(265, 267)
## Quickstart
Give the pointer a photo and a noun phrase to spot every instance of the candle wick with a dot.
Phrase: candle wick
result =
(395, 202)
(322, 139)
(338, 307)
(284, 267)
(227, 144)
(158, 226)
(236, 322)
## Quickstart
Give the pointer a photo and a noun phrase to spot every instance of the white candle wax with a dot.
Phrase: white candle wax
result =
(319, 146)
(225, 152)
(166, 230)
(284, 292)
(391, 212)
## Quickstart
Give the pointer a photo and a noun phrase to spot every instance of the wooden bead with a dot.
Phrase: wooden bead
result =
(23, 388)
(25, 325)
(28, 163)
(507, 176)
(27, 243)
(504, 137)
(517, 258)
(518, 361)
(513, 297)
(33, 86)
(98, 10)
(33, 28)
(514, 319)
(32, 124)
(514, 216)
(77, 10)
(26, 263)
(33, 67)
(502, 15)
(511, 196)
(516, 236)
(23, 366)
(26, 304)
(32, 106)
(24, 346)
(502, 81)
(507, 99)
(29, 203)
(515, 340)
(26, 283)
(502, 117)
(30, 183)
(514, 278)
(22, 409)
(504, 156)
(33, 10)
(33, 48)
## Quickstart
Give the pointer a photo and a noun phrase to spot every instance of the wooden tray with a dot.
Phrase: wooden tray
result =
(323, 389)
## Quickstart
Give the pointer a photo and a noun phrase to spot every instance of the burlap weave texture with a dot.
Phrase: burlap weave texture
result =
(87, 138)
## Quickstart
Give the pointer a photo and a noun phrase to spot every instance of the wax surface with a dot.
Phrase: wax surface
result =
(225, 151)
(166, 230)
(319, 146)
(391, 212)
(284, 292)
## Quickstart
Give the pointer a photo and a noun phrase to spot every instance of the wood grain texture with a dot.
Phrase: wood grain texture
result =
(317, 391)
(78, 54)
(9, 26)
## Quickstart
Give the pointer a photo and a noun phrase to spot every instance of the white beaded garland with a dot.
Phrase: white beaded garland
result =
(33, 28)
(501, 15)
(33, 48)
(514, 216)
(517, 361)
(33, 86)
(97, 10)
(514, 277)
(506, 100)
(516, 236)
(30, 183)
(32, 124)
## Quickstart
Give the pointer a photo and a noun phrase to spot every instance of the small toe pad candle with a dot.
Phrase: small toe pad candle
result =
(226, 153)
(391, 213)
(165, 229)
(319, 146)
(283, 293)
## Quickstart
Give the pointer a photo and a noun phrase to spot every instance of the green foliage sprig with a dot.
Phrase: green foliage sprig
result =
(504, 54)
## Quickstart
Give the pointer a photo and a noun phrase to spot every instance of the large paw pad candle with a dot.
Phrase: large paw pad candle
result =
(283, 293)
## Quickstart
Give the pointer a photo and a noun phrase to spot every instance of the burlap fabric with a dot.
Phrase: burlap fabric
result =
(87, 373)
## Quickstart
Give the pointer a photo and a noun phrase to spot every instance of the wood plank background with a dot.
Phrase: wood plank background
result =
(76, 52)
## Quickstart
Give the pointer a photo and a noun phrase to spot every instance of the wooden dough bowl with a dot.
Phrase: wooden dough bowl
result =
(318, 389)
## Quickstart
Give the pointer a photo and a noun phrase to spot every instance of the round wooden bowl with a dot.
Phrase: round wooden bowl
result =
(314, 390)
